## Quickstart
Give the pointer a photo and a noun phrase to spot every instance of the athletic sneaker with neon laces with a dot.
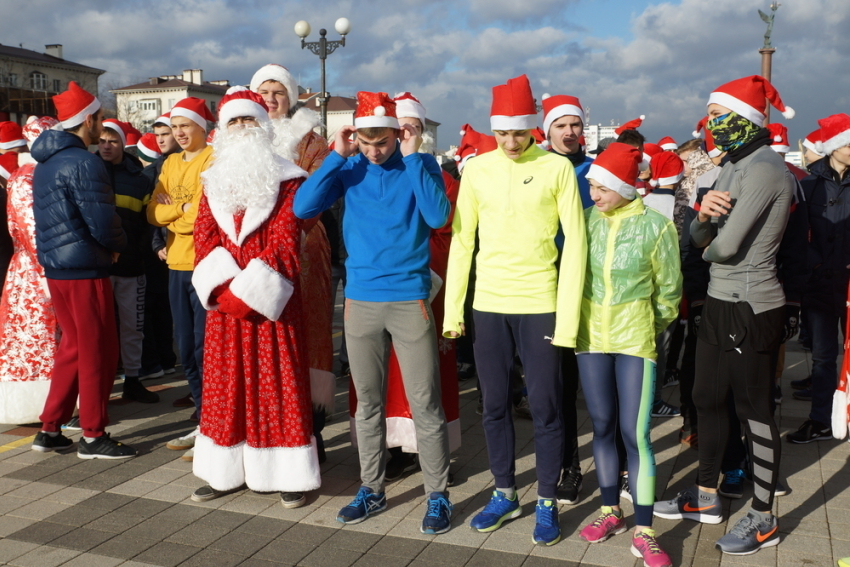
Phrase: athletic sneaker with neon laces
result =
(547, 530)
(438, 517)
(645, 546)
(364, 505)
(689, 505)
(498, 510)
(749, 535)
(607, 524)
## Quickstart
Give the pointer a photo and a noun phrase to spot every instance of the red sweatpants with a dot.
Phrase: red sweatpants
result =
(87, 356)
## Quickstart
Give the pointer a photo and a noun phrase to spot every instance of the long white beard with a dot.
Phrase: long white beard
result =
(290, 131)
(246, 171)
(427, 146)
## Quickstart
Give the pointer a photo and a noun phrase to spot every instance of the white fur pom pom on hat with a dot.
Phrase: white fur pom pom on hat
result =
(789, 113)
(380, 111)
(545, 96)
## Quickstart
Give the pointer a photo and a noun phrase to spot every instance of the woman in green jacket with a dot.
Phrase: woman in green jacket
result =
(632, 290)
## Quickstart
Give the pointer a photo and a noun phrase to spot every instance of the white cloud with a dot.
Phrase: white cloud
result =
(452, 53)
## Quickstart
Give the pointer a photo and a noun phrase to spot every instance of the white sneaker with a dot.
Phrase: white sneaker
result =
(184, 443)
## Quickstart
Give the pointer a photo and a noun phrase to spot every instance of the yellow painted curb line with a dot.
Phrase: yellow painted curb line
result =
(16, 444)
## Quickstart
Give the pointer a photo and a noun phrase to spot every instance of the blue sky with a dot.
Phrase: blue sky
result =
(621, 58)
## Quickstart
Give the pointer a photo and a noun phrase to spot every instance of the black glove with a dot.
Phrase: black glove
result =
(694, 316)
(792, 321)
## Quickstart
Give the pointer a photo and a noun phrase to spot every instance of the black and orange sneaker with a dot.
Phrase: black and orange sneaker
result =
(749, 535)
(689, 505)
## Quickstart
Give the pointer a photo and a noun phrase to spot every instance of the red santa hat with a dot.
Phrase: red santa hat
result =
(582, 142)
(11, 136)
(631, 125)
(279, 73)
(164, 120)
(649, 151)
(748, 97)
(668, 143)
(810, 141)
(8, 164)
(195, 109)
(123, 128)
(667, 169)
(617, 168)
(540, 138)
(555, 107)
(239, 101)
(133, 137)
(36, 125)
(710, 148)
(779, 138)
(472, 144)
(73, 105)
(148, 147)
(375, 110)
(408, 106)
(834, 133)
(513, 106)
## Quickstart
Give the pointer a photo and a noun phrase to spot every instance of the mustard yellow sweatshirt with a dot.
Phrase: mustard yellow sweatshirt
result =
(517, 206)
(181, 180)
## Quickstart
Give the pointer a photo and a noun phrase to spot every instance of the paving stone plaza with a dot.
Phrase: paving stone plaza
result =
(61, 510)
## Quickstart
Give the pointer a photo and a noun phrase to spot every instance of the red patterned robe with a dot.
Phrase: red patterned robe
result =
(29, 333)
(401, 431)
(257, 423)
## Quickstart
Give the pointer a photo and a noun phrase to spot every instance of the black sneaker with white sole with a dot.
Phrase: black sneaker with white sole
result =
(45, 443)
(663, 409)
(104, 447)
(811, 430)
(570, 487)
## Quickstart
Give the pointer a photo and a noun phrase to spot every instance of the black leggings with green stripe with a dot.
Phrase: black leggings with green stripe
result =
(619, 391)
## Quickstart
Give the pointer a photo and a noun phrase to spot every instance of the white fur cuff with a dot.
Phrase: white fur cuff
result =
(262, 289)
(217, 268)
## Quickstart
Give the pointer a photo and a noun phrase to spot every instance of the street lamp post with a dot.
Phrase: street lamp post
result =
(323, 48)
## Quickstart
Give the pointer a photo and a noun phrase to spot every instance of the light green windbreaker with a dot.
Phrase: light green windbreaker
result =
(633, 282)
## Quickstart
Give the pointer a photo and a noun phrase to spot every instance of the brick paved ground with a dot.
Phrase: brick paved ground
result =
(60, 510)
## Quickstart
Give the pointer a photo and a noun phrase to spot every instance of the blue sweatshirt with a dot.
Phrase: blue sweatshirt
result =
(390, 210)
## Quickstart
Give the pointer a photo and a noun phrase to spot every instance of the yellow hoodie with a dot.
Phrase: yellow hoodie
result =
(516, 207)
(181, 180)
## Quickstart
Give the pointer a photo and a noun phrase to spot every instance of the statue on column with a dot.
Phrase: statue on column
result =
(774, 6)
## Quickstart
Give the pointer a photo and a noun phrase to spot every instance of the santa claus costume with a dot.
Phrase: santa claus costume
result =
(256, 427)
(29, 333)
(296, 141)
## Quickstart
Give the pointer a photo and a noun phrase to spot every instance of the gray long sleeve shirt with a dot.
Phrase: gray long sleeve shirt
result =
(743, 244)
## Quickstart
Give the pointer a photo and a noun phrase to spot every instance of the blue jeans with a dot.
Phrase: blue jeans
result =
(190, 319)
(823, 323)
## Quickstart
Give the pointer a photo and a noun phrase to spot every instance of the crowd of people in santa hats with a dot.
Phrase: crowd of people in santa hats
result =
(524, 261)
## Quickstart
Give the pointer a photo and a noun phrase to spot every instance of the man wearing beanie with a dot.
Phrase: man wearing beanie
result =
(175, 205)
(563, 123)
(393, 197)
(78, 238)
(295, 140)
(741, 221)
(516, 198)
(826, 291)
(132, 195)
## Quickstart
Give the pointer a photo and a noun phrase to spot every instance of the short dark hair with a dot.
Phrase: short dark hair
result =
(375, 132)
(75, 129)
(632, 138)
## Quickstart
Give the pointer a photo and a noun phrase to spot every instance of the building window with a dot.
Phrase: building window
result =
(212, 107)
(151, 104)
(57, 85)
(12, 79)
(39, 81)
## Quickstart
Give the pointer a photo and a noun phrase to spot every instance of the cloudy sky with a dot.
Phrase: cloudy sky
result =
(622, 58)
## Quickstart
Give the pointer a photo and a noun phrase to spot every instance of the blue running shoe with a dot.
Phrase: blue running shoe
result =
(547, 531)
(733, 484)
(364, 505)
(438, 518)
(495, 512)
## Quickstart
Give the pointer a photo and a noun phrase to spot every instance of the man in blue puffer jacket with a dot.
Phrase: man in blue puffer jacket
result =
(78, 238)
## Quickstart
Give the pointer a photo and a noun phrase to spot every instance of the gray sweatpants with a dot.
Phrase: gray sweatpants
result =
(369, 328)
(129, 295)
